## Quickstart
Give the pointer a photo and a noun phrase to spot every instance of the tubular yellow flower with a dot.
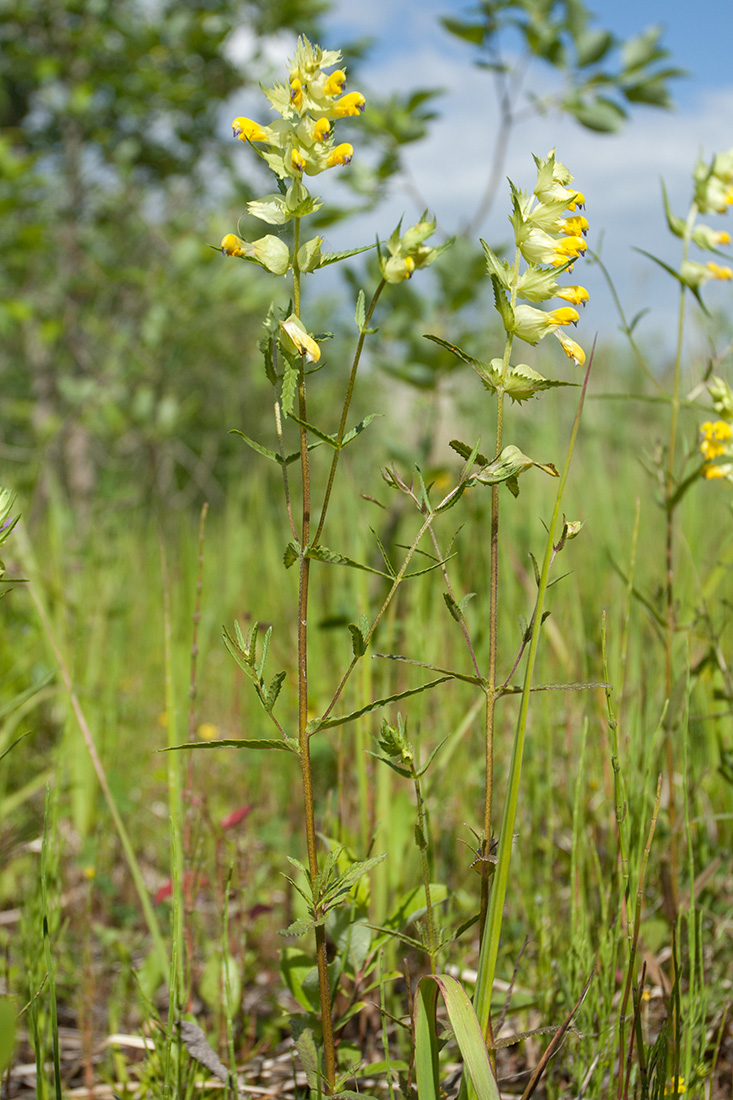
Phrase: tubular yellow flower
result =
(571, 349)
(571, 247)
(298, 161)
(576, 226)
(296, 92)
(577, 202)
(322, 129)
(342, 154)
(566, 315)
(719, 272)
(349, 106)
(576, 295)
(335, 83)
(247, 130)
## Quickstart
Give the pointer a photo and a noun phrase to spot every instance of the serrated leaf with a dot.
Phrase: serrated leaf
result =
(289, 388)
(360, 314)
(240, 654)
(282, 744)
(358, 644)
(273, 691)
(298, 927)
(464, 451)
(323, 436)
(452, 606)
(264, 451)
(390, 568)
(502, 304)
(331, 557)
(359, 428)
(290, 555)
(306, 1048)
(351, 877)
(334, 257)
(522, 383)
(341, 719)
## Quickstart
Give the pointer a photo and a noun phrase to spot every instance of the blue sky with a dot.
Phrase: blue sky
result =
(620, 175)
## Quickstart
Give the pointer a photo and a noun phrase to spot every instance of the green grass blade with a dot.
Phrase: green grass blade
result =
(466, 1029)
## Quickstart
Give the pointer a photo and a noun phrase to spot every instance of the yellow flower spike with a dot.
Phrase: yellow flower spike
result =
(232, 245)
(719, 272)
(576, 226)
(572, 349)
(349, 106)
(342, 154)
(566, 315)
(247, 130)
(576, 295)
(335, 83)
(322, 129)
(298, 161)
(296, 92)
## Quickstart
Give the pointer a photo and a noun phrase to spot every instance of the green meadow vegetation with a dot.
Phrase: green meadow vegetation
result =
(365, 695)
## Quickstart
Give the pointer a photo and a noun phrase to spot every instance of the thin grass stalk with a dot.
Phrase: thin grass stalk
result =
(189, 885)
(492, 932)
(47, 953)
(174, 764)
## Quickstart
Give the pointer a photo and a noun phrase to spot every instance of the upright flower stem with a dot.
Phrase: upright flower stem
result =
(670, 612)
(329, 1054)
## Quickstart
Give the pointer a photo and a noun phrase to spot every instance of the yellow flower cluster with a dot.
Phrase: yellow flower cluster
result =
(550, 235)
(301, 141)
(716, 442)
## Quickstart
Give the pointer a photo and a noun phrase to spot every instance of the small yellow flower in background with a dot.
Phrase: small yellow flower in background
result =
(715, 436)
(714, 184)
(207, 731)
(675, 1085)
(719, 272)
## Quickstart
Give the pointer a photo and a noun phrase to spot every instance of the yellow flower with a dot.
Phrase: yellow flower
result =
(298, 160)
(322, 129)
(721, 470)
(296, 92)
(335, 83)
(576, 295)
(675, 1085)
(577, 202)
(719, 272)
(299, 338)
(571, 247)
(232, 245)
(575, 226)
(350, 105)
(207, 731)
(247, 130)
(342, 154)
(571, 349)
(715, 436)
(566, 315)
